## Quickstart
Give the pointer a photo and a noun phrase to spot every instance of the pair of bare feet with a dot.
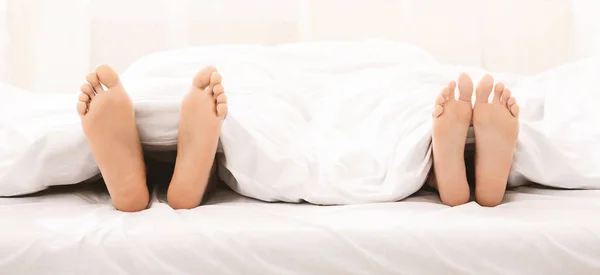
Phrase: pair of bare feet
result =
(496, 128)
(108, 121)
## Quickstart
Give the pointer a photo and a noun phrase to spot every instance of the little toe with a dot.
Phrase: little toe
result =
(465, 87)
(92, 79)
(108, 76)
(82, 108)
(203, 77)
(484, 89)
(498, 90)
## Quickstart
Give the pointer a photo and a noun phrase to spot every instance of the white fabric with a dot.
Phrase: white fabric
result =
(329, 123)
(39, 36)
(553, 232)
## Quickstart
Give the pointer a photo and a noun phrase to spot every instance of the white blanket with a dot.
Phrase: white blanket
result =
(329, 123)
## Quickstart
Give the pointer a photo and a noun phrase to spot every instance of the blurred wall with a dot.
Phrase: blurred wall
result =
(48, 45)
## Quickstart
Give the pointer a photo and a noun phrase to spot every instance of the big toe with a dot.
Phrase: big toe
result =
(203, 77)
(108, 76)
(465, 87)
(484, 88)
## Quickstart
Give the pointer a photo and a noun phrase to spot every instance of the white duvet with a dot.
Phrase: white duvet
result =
(329, 123)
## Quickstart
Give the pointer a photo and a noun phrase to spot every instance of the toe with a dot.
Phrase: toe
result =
(444, 96)
(451, 89)
(514, 110)
(87, 89)
(438, 111)
(511, 101)
(81, 108)
(512, 106)
(484, 88)
(92, 79)
(83, 97)
(215, 78)
(498, 90)
(222, 110)
(222, 98)
(441, 100)
(506, 95)
(452, 85)
(465, 87)
(218, 90)
(108, 76)
(203, 77)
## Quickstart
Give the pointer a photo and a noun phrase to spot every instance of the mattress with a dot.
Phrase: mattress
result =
(75, 230)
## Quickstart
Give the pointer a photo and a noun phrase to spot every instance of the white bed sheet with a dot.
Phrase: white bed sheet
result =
(75, 230)
(325, 122)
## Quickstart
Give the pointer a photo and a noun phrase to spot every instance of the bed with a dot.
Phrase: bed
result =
(75, 230)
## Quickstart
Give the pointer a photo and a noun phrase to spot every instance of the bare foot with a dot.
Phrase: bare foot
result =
(202, 113)
(108, 121)
(451, 120)
(496, 130)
